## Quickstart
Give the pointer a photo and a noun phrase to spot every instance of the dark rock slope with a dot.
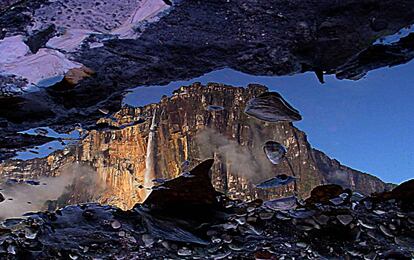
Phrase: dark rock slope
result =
(194, 37)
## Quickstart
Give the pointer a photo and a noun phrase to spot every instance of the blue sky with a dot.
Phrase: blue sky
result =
(47, 148)
(366, 124)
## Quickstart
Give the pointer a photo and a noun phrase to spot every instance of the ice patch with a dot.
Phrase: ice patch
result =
(12, 48)
(70, 40)
(45, 64)
(147, 10)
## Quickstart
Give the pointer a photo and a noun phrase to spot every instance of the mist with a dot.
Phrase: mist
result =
(33, 198)
(249, 163)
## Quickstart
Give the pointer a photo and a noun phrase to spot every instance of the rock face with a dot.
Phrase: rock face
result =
(188, 130)
(334, 172)
(50, 166)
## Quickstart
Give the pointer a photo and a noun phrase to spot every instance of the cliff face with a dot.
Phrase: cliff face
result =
(50, 166)
(334, 172)
(187, 130)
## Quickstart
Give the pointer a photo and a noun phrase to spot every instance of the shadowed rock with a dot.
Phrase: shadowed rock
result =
(324, 193)
(271, 107)
(39, 38)
(403, 193)
(186, 192)
(377, 56)
(170, 229)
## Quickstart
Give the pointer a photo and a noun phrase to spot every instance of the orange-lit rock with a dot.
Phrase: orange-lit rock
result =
(75, 75)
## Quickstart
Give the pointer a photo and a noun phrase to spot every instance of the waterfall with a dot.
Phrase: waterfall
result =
(150, 158)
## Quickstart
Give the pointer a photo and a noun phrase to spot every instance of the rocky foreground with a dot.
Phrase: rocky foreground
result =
(186, 218)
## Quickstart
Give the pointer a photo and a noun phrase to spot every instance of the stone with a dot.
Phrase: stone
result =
(321, 219)
(221, 255)
(396, 254)
(271, 107)
(235, 247)
(365, 225)
(184, 252)
(115, 224)
(262, 255)
(215, 108)
(404, 241)
(274, 151)
(386, 231)
(281, 204)
(278, 181)
(11, 249)
(266, 215)
(30, 234)
(324, 193)
(301, 213)
(75, 75)
(379, 212)
(240, 220)
(345, 219)
(356, 197)
(301, 244)
(337, 201)
(148, 240)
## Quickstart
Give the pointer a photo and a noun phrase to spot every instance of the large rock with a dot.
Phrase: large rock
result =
(190, 191)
